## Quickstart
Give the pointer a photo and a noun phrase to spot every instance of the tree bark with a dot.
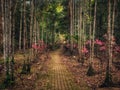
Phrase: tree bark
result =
(20, 33)
(3, 30)
(112, 32)
(109, 34)
(71, 23)
(93, 33)
(90, 32)
(24, 32)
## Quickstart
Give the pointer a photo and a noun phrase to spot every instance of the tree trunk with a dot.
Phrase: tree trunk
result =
(71, 23)
(93, 34)
(20, 33)
(90, 32)
(112, 32)
(31, 29)
(109, 34)
(13, 28)
(24, 33)
(31, 22)
(4, 30)
(80, 30)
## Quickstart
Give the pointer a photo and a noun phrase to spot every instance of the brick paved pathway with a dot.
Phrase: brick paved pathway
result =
(60, 78)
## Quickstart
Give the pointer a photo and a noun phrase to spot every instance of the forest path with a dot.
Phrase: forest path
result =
(59, 78)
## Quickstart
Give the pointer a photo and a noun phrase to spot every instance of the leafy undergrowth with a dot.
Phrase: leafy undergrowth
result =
(38, 71)
(79, 71)
(25, 81)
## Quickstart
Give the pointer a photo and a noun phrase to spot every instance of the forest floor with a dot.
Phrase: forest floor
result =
(49, 74)
(92, 82)
(79, 72)
(58, 72)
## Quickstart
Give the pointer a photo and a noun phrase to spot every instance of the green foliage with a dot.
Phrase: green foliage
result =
(67, 36)
(75, 38)
(59, 8)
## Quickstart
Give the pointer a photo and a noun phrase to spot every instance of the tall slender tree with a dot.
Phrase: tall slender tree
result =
(31, 27)
(71, 23)
(25, 27)
(112, 31)
(21, 23)
(108, 78)
(90, 71)
(94, 28)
